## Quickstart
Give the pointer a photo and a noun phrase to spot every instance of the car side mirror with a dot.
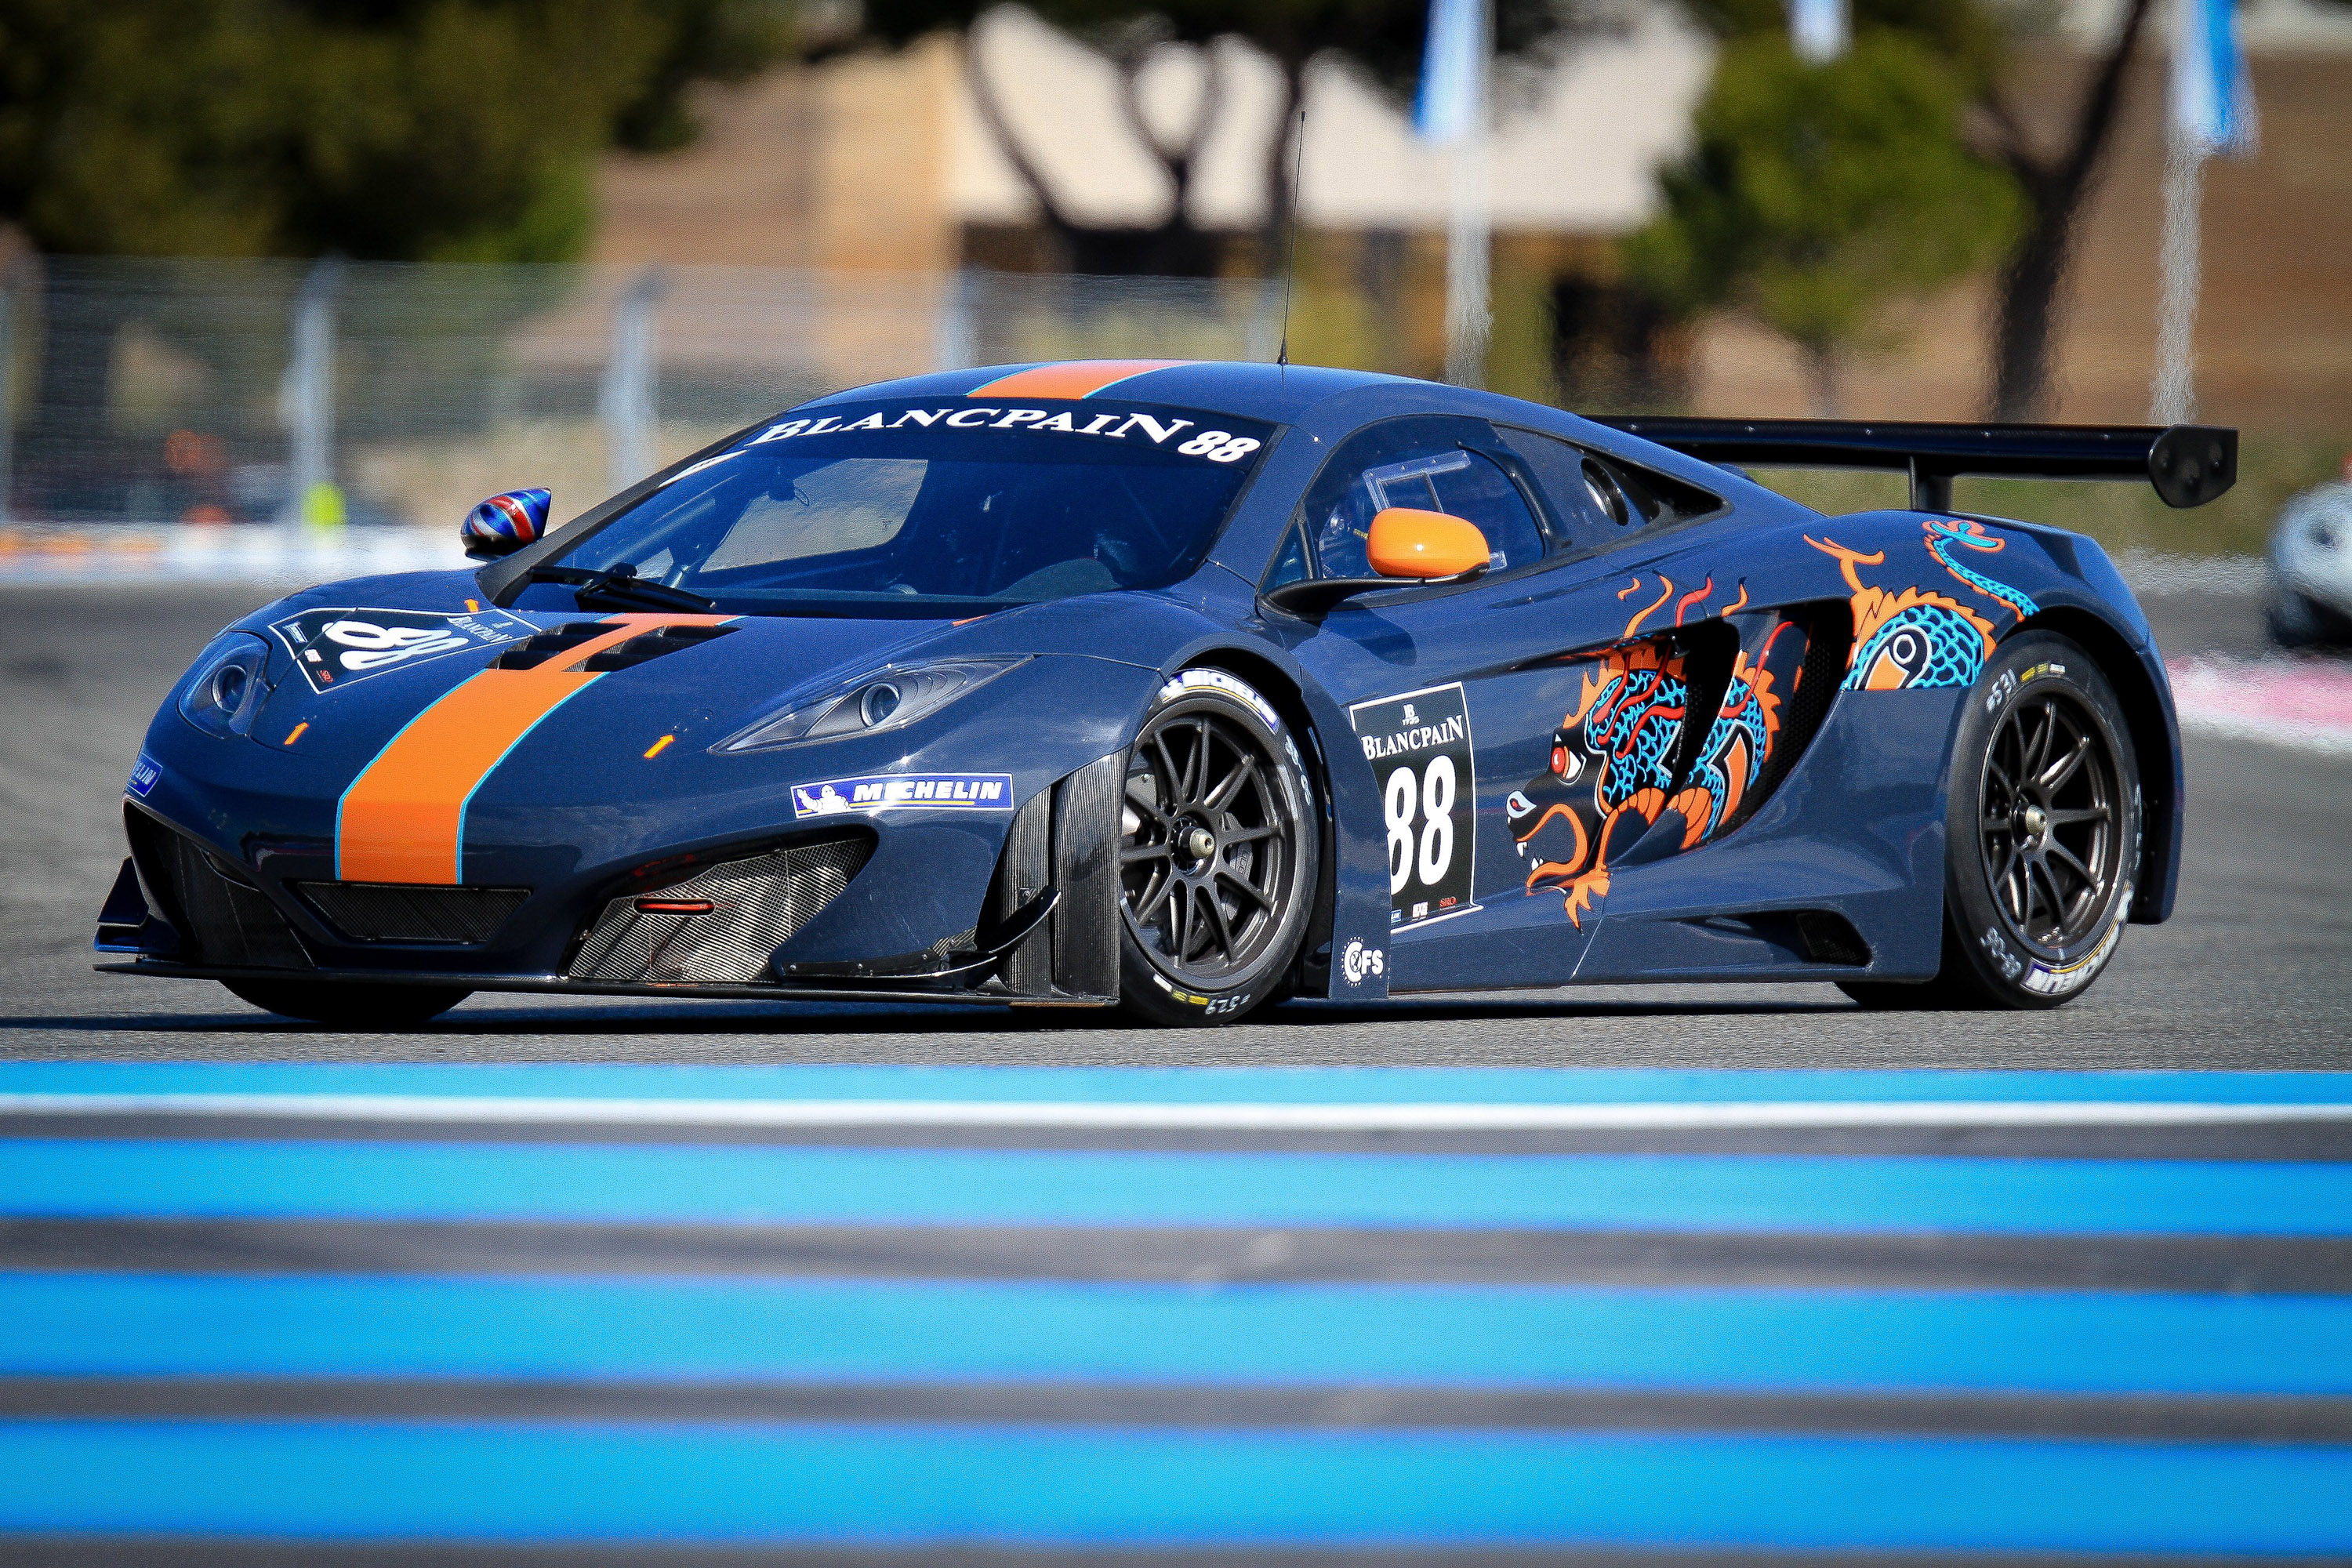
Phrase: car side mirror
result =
(1407, 542)
(505, 523)
(1406, 545)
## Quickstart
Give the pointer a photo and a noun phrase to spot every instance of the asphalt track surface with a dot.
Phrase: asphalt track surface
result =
(2254, 970)
(593, 1281)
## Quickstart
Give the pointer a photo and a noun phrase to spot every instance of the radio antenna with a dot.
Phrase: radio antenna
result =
(1290, 258)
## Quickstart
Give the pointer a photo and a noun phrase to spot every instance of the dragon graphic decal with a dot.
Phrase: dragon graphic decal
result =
(1624, 768)
(1740, 741)
(1620, 770)
(1923, 637)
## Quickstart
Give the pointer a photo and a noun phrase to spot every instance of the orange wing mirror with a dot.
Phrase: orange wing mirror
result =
(1407, 542)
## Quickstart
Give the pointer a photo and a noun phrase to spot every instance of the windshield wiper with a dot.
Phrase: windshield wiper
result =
(619, 587)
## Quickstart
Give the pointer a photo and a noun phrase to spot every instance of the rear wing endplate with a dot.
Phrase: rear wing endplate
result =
(2188, 464)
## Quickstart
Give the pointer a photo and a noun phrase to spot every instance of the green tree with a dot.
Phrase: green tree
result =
(394, 129)
(407, 130)
(1381, 38)
(1816, 196)
(2056, 173)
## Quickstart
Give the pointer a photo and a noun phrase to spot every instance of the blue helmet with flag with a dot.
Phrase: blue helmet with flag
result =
(505, 523)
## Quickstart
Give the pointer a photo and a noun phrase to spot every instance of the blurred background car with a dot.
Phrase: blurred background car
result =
(2311, 568)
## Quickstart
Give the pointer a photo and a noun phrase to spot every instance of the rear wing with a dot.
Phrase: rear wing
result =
(2188, 464)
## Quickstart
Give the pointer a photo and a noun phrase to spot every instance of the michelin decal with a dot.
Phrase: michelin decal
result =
(1197, 681)
(2064, 979)
(892, 792)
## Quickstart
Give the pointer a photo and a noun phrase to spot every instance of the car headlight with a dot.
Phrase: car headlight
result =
(223, 694)
(887, 700)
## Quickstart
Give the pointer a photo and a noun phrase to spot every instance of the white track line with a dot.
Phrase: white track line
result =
(2302, 737)
(1238, 1116)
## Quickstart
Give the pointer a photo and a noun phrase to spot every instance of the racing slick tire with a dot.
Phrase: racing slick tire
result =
(1218, 852)
(349, 1006)
(2042, 836)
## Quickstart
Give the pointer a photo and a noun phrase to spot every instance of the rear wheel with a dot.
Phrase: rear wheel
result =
(1217, 854)
(358, 1006)
(2042, 836)
(2296, 621)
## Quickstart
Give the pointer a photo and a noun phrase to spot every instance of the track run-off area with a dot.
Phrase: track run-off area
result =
(1065, 1308)
(1657, 1276)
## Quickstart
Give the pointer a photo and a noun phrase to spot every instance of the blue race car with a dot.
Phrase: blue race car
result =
(1186, 688)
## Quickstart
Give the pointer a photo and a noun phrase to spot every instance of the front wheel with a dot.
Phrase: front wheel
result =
(2042, 836)
(356, 1006)
(1218, 854)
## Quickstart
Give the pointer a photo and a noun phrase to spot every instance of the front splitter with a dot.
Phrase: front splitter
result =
(563, 985)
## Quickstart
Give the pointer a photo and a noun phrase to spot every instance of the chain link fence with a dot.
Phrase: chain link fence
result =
(144, 394)
(280, 419)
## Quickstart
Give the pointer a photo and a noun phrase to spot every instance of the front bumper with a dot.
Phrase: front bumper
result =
(774, 918)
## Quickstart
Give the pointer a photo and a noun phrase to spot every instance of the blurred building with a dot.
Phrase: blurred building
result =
(885, 161)
(881, 161)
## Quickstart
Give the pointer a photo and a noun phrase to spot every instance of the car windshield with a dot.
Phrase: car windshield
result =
(940, 507)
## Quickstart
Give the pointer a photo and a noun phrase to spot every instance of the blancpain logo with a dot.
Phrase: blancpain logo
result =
(1114, 427)
(1157, 430)
(1418, 737)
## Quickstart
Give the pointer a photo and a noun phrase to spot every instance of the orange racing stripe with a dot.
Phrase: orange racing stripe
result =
(403, 818)
(1071, 378)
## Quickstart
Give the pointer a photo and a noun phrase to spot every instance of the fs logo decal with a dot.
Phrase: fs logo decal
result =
(336, 647)
(1356, 961)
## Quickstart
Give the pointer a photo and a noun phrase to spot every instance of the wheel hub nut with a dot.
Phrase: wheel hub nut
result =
(2034, 820)
(1200, 843)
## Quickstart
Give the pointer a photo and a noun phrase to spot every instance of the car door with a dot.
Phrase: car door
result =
(1447, 711)
(1527, 731)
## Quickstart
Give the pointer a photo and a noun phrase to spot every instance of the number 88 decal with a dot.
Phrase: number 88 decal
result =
(1419, 747)
(1219, 446)
(1433, 793)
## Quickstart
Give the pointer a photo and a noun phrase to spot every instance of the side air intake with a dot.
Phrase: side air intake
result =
(720, 926)
(222, 915)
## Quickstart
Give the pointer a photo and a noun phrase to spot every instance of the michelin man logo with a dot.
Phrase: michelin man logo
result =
(828, 802)
(1357, 960)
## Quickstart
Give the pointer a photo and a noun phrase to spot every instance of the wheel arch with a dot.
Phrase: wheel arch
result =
(1281, 687)
(2154, 746)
